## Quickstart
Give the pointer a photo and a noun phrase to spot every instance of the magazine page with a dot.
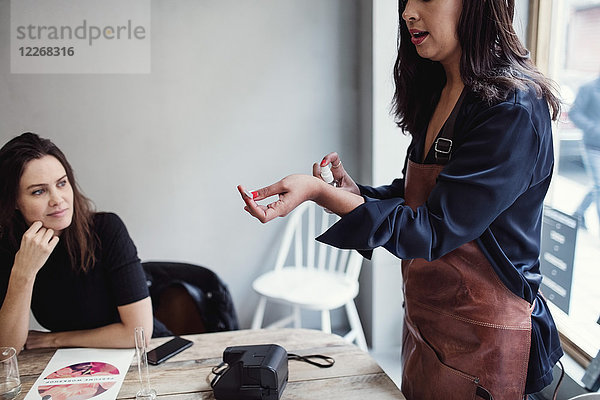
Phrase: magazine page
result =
(82, 374)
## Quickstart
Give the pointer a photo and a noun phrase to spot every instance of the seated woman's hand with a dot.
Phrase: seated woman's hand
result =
(36, 246)
(291, 191)
(38, 340)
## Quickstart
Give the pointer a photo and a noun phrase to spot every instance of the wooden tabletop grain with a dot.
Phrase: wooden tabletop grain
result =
(355, 374)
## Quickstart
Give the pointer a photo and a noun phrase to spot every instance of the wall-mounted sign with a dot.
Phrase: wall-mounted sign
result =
(559, 234)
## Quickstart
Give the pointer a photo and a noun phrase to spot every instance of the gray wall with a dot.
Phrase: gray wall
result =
(241, 92)
(521, 19)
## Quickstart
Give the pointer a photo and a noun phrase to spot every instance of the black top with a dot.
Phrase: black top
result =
(65, 300)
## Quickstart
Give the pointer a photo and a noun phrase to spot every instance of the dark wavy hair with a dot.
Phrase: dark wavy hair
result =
(78, 237)
(493, 64)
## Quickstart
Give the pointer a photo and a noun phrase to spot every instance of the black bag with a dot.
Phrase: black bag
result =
(188, 299)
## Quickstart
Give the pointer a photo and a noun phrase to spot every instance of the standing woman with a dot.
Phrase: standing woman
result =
(466, 217)
(77, 270)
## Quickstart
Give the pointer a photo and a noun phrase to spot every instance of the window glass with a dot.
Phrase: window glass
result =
(572, 279)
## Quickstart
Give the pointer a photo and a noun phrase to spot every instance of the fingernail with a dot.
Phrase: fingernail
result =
(323, 163)
(254, 195)
(247, 193)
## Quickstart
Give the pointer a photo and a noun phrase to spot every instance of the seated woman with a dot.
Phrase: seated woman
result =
(76, 269)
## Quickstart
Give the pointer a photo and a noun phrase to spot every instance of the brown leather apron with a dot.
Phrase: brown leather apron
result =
(466, 335)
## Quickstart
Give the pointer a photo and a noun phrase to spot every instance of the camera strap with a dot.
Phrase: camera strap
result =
(217, 372)
(329, 361)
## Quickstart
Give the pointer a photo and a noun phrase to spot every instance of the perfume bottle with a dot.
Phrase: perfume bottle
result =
(327, 175)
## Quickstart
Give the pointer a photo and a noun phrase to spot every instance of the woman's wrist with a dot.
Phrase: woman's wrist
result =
(337, 200)
(21, 277)
(45, 340)
(54, 339)
(320, 193)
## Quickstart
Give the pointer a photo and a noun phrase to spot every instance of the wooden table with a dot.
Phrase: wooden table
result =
(355, 374)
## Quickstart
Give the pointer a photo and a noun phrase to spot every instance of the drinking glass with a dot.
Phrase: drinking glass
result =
(10, 383)
(145, 392)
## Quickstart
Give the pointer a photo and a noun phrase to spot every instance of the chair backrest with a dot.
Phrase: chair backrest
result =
(300, 249)
(189, 298)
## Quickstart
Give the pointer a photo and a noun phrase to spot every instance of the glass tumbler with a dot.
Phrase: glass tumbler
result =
(10, 382)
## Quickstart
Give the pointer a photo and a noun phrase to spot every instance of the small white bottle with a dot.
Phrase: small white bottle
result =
(328, 176)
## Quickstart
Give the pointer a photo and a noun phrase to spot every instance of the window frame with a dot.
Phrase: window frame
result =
(539, 38)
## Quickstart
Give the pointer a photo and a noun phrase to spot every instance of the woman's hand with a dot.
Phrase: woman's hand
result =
(39, 340)
(292, 191)
(36, 246)
(339, 173)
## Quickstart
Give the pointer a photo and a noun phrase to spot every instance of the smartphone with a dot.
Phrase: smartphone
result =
(168, 350)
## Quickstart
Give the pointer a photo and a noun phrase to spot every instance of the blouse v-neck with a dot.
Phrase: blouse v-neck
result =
(446, 131)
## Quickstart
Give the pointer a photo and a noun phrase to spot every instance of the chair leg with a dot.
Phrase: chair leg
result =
(325, 321)
(297, 317)
(259, 313)
(355, 325)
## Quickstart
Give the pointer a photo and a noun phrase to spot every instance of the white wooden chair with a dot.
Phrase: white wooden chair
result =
(311, 275)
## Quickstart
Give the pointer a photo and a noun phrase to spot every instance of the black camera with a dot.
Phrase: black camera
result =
(256, 372)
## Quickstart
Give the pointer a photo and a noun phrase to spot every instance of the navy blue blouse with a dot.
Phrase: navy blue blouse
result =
(492, 191)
